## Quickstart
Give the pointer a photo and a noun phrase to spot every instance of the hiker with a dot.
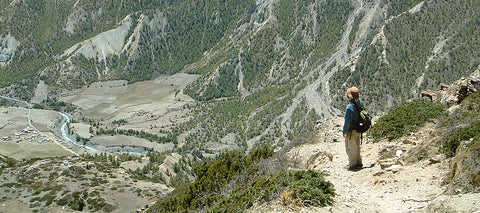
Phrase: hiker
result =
(352, 137)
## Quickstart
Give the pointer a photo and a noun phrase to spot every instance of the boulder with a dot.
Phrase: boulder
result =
(407, 141)
(429, 95)
(460, 89)
(453, 94)
(387, 163)
(434, 160)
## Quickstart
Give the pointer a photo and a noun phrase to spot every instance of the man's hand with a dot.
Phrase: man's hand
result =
(344, 134)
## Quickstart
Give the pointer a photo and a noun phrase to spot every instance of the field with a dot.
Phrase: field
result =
(151, 106)
(26, 134)
(115, 100)
(115, 143)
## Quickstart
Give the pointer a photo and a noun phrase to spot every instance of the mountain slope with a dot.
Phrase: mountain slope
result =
(413, 171)
(168, 36)
(264, 72)
(433, 43)
(275, 66)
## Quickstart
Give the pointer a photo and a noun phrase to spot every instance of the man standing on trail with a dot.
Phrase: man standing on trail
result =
(352, 137)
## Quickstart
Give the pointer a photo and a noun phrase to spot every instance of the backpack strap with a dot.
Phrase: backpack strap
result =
(359, 111)
(357, 107)
(361, 138)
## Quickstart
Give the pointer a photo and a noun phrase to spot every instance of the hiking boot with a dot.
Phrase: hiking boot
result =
(356, 167)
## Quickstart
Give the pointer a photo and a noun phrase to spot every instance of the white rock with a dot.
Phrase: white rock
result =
(394, 168)
(399, 153)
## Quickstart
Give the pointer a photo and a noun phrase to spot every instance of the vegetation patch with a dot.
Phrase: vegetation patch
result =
(233, 183)
(212, 176)
(452, 142)
(464, 172)
(406, 119)
(397, 7)
(297, 187)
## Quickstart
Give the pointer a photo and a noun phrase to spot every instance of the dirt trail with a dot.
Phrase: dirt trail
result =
(406, 188)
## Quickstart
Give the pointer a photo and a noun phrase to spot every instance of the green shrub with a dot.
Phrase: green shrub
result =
(262, 152)
(77, 204)
(62, 202)
(211, 177)
(237, 177)
(311, 186)
(307, 186)
(48, 198)
(96, 204)
(406, 119)
(35, 199)
(11, 162)
(453, 140)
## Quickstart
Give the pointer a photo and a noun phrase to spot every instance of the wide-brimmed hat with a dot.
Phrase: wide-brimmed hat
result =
(353, 92)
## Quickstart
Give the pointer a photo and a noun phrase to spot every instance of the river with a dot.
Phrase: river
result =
(66, 136)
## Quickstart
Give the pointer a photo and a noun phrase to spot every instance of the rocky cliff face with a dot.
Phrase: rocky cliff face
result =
(452, 95)
(459, 132)
(102, 50)
(8, 47)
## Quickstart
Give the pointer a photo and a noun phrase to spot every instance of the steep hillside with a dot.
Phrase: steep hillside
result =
(72, 43)
(431, 43)
(420, 157)
(268, 69)
(191, 80)
(305, 53)
(277, 72)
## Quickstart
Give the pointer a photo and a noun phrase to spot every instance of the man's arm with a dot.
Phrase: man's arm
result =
(348, 120)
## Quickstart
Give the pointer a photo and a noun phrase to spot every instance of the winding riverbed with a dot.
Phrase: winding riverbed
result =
(66, 136)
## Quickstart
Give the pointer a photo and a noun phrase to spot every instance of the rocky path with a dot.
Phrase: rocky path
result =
(402, 189)
(393, 188)
(389, 185)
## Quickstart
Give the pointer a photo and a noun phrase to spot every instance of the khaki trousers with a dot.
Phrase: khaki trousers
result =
(352, 144)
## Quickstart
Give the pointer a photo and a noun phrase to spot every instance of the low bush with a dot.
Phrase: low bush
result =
(305, 187)
(311, 186)
(48, 198)
(211, 176)
(406, 119)
(453, 140)
(62, 202)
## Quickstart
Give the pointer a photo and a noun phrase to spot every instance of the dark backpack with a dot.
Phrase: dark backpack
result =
(365, 121)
